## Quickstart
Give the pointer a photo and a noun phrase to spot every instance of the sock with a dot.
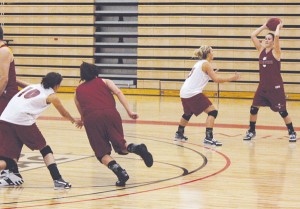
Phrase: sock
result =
(180, 129)
(11, 165)
(252, 126)
(54, 171)
(290, 128)
(15, 169)
(209, 133)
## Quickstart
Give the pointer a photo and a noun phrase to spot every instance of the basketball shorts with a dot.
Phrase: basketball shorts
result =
(12, 138)
(196, 104)
(104, 130)
(274, 98)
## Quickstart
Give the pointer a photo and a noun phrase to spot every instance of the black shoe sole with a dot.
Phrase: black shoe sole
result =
(122, 183)
(146, 156)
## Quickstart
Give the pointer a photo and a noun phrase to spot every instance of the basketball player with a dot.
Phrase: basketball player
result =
(194, 102)
(8, 82)
(270, 91)
(18, 127)
(103, 124)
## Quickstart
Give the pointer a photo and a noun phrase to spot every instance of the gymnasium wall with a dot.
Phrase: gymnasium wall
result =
(169, 32)
(58, 35)
(49, 36)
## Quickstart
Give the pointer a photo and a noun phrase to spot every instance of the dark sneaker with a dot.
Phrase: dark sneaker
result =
(249, 135)
(180, 137)
(61, 184)
(11, 179)
(212, 142)
(142, 151)
(293, 137)
(122, 178)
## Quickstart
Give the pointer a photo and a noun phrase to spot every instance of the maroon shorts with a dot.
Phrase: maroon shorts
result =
(104, 127)
(195, 105)
(12, 138)
(275, 98)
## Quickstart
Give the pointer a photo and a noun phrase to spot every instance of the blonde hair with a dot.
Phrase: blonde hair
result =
(202, 52)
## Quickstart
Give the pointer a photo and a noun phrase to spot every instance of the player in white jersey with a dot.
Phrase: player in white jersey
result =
(194, 102)
(18, 127)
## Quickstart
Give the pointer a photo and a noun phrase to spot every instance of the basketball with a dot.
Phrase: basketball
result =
(272, 23)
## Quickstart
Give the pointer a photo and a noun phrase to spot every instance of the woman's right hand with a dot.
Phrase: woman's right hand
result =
(236, 77)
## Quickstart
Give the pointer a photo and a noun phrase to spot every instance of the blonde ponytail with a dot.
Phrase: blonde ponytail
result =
(202, 52)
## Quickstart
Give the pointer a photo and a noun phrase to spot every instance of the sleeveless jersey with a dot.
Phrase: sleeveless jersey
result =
(11, 87)
(94, 95)
(26, 106)
(269, 71)
(196, 81)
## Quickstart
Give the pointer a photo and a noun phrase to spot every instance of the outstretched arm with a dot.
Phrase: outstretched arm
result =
(60, 108)
(254, 35)
(206, 67)
(121, 98)
(277, 50)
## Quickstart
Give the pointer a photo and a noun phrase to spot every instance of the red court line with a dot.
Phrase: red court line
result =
(227, 164)
(170, 123)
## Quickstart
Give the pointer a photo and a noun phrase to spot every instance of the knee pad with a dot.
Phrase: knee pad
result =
(283, 114)
(46, 150)
(213, 113)
(254, 110)
(186, 117)
(10, 163)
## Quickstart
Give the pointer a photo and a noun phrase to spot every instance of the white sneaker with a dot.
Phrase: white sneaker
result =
(11, 179)
(249, 135)
(293, 137)
(212, 142)
(4, 173)
(61, 184)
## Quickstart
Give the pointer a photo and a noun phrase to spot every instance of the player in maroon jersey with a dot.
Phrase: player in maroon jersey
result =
(270, 91)
(8, 82)
(103, 124)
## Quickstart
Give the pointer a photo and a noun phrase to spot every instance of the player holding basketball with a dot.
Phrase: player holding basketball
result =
(18, 127)
(270, 91)
(194, 102)
(103, 124)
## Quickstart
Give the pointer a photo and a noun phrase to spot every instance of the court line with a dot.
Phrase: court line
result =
(227, 164)
(170, 123)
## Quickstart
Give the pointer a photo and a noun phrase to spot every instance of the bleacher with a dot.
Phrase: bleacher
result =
(148, 44)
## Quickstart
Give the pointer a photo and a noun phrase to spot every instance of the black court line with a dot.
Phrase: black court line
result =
(128, 186)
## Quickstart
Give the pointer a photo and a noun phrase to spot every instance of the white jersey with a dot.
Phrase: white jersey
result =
(195, 82)
(26, 106)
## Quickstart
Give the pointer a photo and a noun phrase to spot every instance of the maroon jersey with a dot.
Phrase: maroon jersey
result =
(11, 87)
(269, 71)
(94, 95)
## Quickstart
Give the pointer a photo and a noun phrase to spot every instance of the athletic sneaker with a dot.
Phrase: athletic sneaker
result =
(250, 135)
(293, 137)
(61, 184)
(180, 137)
(122, 178)
(212, 142)
(11, 179)
(4, 173)
(142, 151)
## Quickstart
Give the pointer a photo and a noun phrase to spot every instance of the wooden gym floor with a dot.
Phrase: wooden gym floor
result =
(263, 173)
